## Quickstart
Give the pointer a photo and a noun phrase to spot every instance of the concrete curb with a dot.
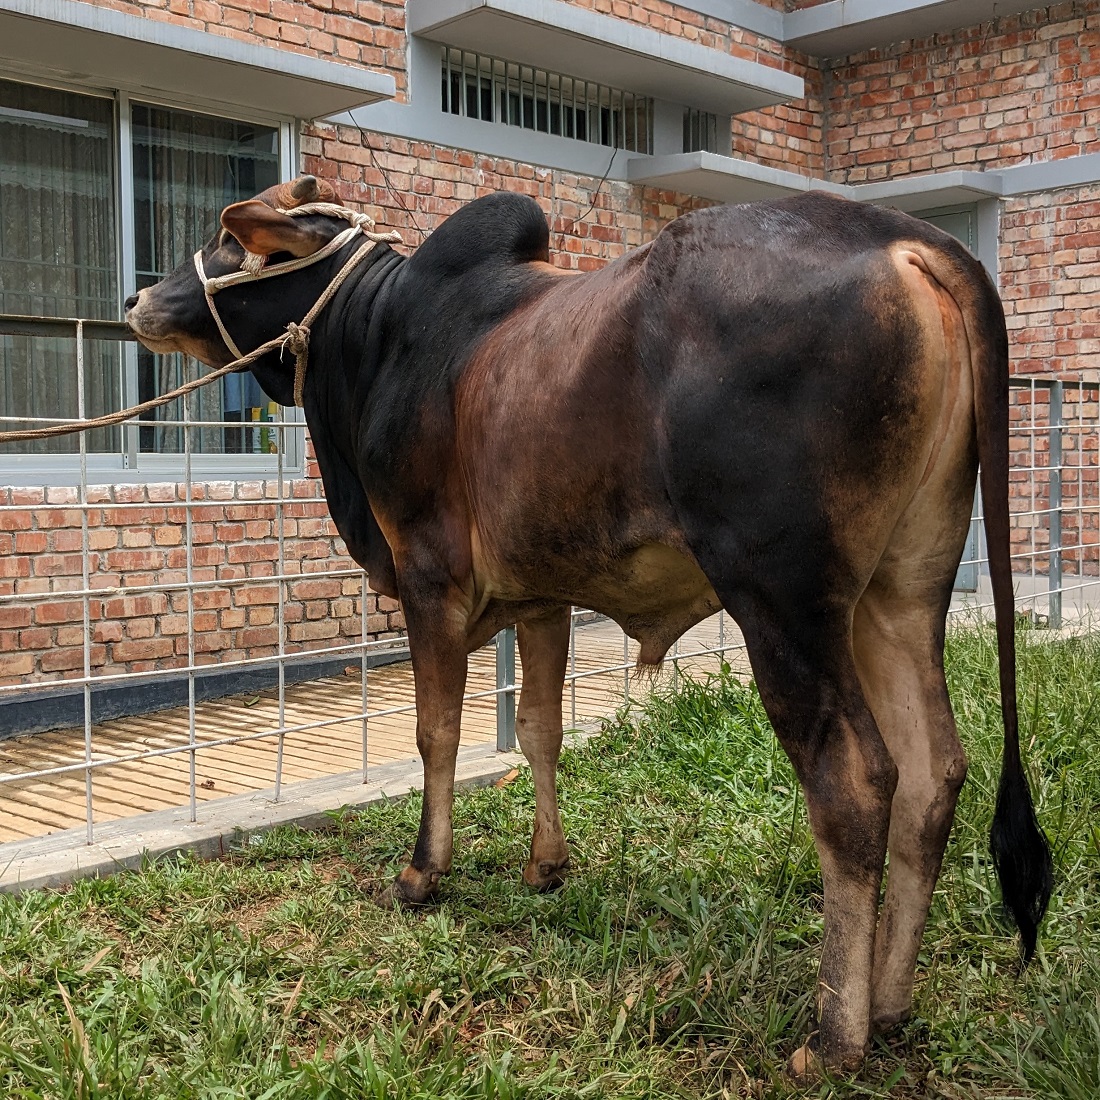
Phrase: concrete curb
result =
(63, 857)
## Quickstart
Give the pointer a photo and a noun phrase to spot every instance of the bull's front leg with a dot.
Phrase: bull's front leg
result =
(439, 674)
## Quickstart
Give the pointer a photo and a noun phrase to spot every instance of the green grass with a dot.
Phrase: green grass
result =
(678, 961)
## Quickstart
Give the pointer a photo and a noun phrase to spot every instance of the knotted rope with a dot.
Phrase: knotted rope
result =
(295, 339)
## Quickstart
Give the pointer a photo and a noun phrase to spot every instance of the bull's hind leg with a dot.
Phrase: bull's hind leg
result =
(898, 634)
(802, 659)
(544, 653)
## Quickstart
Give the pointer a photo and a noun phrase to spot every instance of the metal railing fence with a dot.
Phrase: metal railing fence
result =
(1054, 487)
(1056, 522)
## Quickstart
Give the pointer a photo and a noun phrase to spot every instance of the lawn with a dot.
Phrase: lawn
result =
(678, 961)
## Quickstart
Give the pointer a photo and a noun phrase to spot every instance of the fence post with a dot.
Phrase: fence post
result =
(1054, 568)
(506, 689)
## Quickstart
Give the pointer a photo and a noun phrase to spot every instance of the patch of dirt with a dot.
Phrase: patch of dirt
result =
(251, 917)
(329, 869)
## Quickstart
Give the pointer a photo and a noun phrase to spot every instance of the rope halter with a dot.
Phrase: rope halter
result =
(255, 267)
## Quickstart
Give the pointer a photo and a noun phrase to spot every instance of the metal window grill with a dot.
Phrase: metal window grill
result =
(701, 132)
(74, 780)
(490, 89)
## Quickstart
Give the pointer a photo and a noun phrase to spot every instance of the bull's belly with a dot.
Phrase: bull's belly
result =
(655, 594)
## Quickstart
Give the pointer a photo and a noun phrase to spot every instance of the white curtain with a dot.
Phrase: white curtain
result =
(187, 168)
(57, 254)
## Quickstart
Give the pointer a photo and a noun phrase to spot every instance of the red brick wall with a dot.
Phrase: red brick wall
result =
(1021, 88)
(791, 135)
(136, 537)
(364, 32)
(589, 223)
(1050, 281)
(1050, 284)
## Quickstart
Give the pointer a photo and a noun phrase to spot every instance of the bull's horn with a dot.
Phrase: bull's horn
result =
(305, 189)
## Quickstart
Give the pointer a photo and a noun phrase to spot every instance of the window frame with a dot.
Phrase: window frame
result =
(129, 465)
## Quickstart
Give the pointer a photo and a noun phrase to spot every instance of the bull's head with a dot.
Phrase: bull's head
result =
(174, 314)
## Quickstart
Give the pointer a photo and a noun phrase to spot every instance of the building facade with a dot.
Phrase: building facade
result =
(126, 126)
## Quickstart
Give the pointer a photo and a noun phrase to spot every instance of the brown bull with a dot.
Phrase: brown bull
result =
(778, 409)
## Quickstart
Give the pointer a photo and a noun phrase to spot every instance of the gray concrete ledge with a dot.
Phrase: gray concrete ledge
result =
(724, 179)
(729, 179)
(927, 192)
(712, 176)
(1051, 175)
(562, 37)
(64, 857)
(96, 45)
(843, 27)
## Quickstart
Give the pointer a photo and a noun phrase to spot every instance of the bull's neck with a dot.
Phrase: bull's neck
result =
(341, 354)
(338, 385)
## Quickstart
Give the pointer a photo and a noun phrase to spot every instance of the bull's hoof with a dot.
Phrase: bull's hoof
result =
(807, 1064)
(411, 889)
(887, 1021)
(545, 874)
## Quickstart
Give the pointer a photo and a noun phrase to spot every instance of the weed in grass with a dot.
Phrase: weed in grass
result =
(677, 961)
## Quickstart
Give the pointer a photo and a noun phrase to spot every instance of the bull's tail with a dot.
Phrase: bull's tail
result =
(1021, 853)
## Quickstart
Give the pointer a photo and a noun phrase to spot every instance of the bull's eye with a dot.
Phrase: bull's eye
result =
(224, 237)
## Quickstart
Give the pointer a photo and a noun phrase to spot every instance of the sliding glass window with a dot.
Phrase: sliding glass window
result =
(75, 171)
(187, 169)
(58, 254)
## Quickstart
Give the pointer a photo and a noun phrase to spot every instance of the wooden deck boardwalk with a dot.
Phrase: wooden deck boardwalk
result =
(122, 788)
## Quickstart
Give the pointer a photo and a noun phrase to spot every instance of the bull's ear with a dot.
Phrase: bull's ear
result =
(264, 231)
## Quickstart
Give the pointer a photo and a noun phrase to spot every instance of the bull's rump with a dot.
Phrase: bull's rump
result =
(811, 370)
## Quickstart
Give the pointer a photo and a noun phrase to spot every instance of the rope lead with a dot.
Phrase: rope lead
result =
(296, 341)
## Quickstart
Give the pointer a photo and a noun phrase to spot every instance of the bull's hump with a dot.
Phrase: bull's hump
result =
(499, 229)
(474, 271)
